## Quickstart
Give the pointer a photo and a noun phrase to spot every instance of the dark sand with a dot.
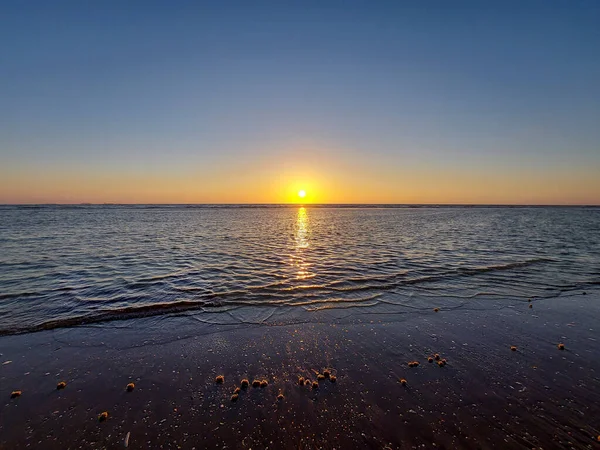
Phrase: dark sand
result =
(487, 396)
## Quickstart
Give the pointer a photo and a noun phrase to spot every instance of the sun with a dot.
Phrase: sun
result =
(302, 193)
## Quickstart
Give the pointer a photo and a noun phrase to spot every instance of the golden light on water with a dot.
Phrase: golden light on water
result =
(298, 257)
(302, 229)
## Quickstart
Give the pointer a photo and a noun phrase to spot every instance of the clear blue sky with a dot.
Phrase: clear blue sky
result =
(177, 101)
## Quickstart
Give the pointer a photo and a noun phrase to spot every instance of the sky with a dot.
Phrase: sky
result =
(252, 101)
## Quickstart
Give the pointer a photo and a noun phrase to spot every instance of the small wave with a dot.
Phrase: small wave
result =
(133, 312)
(10, 295)
(335, 300)
(130, 312)
(141, 282)
(499, 267)
(346, 305)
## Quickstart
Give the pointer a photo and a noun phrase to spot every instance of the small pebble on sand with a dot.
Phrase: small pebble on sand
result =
(15, 394)
(561, 346)
(61, 385)
(220, 379)
(245, 383)
(513, 348)
(103, 416)
(130, 387)
(403, 381)
(234, 397)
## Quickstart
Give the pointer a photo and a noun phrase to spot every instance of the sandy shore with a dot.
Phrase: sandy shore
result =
(487, 396)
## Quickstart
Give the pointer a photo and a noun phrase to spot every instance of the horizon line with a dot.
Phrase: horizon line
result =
(310, 204)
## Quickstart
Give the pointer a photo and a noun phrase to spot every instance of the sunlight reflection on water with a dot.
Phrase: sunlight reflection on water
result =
(60, 263)
(302, 233)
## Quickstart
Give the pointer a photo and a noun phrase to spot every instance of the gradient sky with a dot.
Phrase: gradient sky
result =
(250, 101)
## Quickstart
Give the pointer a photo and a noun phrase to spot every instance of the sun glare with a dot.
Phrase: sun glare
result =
(302, 193)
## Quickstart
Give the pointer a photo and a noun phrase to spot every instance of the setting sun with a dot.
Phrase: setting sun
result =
(302, 193)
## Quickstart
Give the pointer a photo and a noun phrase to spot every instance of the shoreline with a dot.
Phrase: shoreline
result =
(486, 397)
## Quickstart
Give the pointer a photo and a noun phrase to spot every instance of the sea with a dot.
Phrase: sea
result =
(63, 266)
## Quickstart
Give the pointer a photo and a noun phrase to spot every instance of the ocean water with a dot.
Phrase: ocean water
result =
(62, 266)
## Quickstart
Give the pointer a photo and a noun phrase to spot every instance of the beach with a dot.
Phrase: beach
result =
(324, 225)
(170, 298)
(486, 396)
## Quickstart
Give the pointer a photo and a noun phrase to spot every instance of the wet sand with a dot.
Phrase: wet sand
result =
(487, 396)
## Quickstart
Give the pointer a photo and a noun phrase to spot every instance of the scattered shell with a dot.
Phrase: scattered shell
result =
(444, 361)
(234, 397)
(320, 377)
(561, 346)
(280, 396)
(103, 416)
(301, 381)
(436, 309)
(245, 383)
(220, 379)
(264, 383)
(436, 356)
(513, 348)
(236, 390)
(326, 373)
(333, 378)
(61, 385)
(15, 394)
(430, 359)
(403, 381)
(529, 300)
(530, 305)
(440, 363)
(315, 385)
(130, 387)
(256, 383)
(307, 382)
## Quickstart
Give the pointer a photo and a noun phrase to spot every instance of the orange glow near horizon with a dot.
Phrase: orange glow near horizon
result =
(334, 177)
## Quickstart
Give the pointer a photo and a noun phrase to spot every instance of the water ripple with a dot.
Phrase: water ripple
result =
(63, 266)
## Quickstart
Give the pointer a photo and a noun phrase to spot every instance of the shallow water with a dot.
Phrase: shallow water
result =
(67, 265)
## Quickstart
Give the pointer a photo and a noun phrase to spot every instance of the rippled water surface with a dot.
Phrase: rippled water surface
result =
(67, 265)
